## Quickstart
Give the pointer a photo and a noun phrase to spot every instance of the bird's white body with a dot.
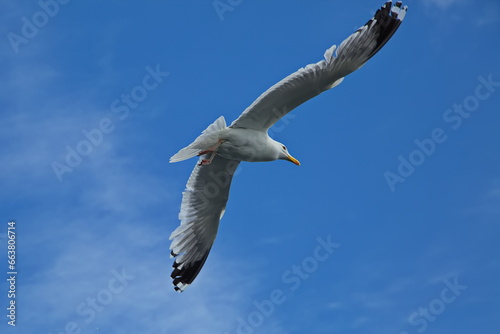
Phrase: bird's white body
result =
(248, 145)
(234, 143)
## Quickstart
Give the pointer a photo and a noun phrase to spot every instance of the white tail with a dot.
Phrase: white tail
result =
(208, 138)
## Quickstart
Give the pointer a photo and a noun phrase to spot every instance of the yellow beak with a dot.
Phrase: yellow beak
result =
(292, 159)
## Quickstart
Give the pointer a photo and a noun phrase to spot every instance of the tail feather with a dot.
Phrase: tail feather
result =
(208, 138)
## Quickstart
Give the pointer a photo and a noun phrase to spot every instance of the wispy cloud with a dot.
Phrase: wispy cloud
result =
(480, 14)
(442, 4)
(494, 191)
(85, 265)
(486, 205)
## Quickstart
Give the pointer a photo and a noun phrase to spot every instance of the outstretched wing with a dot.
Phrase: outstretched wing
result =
(314, 79)
(203, 205)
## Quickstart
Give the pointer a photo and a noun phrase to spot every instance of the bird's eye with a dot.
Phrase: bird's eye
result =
(284, 147)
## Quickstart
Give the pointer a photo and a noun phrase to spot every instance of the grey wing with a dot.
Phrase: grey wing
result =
(203, 204)
(314, 79)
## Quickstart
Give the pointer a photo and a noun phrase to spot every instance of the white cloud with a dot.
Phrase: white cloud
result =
(487, 13)
(494, 191)
(84, 265)
(442, 4)
(487, 204)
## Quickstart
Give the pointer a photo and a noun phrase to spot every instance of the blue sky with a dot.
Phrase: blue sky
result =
(409, 257)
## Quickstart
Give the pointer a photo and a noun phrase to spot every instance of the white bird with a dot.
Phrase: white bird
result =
(221, 148)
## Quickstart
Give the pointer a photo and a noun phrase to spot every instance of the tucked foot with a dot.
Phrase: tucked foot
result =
(213, 148)
(205, 152)
(208, 161)
(205, 162)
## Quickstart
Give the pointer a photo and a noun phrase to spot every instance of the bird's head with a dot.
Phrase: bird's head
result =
(284, 155)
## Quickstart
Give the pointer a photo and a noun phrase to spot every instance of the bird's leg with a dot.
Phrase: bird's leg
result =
(208, 161)
(212, 150)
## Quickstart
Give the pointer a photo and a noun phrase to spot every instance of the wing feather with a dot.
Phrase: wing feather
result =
(314, 79)
(203, 203)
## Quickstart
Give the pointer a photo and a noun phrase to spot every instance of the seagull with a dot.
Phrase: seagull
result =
(221, 148)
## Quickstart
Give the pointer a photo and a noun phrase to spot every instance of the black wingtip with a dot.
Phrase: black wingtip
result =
(387, 20)
(183, 277)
